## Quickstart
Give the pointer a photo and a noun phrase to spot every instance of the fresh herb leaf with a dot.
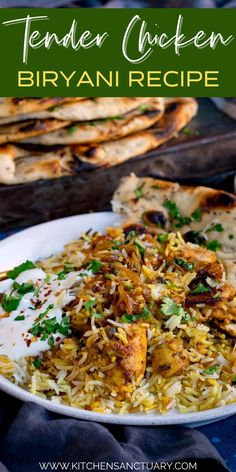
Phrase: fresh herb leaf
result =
(68, 267)
(13, 274)
(197, 215)
(116, 244)
(89, 305)
(95, 266)
(213, 245)
(64, 326)
(170, 308)
(162, 237)
(71, 129)
(144, 107)
(24, 288)
(139, 191)
(172, 208)
(217, 227)
(211, 370)
(10, 303)
(37, 363)
(184, 264)
(201, 288)
(144, 314)
(42, 315)
(140, 248)
(51, 341)
(19, 318)
(175, 214)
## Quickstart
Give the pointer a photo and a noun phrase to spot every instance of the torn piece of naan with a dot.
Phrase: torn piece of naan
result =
(204, 216)
(105, 129)
(18, 165)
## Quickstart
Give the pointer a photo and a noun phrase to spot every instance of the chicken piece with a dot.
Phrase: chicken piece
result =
(225, 320)
(200, 256)
(130, 358)
(169, 358)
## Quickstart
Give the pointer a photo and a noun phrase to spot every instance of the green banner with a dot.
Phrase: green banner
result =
(118, 52)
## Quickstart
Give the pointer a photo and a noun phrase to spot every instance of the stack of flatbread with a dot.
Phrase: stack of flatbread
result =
(44, 138)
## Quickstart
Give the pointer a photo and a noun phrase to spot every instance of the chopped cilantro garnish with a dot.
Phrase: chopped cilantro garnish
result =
(68, 267)
(37, 363)
(144, 107)
(139, 191)
(10, 303)
(172, 209)
(162, 237)
(63, 327)
(175, 214)
(116, 244)
(211, 370)
(169, 308)
(19, 318)
(184, 264)
(71, 129)
(144, 314)
(217, 227)
(197, 215)
(201, 288)
(13, 274)
(140, 248)
(95, 266)
(89, 305)
(51, 341)
(51, 326)
(23, 288)
(213, 245)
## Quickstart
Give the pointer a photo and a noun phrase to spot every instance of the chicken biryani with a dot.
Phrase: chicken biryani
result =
(122, 322)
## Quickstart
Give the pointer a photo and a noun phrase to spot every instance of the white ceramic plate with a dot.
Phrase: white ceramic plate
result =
(49, 238)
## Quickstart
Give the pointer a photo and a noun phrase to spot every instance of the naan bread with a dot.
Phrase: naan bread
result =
(18, 165)
(178, 114)
(109, 153)
(88, 109)
(26, 129)
(139, 119)
(11, 106)
(143, 201)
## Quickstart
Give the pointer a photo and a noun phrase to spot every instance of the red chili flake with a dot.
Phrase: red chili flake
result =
(28, 342)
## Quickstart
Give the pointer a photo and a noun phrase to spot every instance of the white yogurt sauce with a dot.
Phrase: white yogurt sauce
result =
(16, 340)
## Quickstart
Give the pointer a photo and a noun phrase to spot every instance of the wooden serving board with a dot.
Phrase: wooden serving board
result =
(204, 154)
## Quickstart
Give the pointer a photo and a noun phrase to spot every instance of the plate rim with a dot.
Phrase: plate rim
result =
(138, 419)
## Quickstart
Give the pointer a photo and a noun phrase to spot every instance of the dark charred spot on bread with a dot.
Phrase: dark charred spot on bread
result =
(219, 199)
(154, 218)
(194, 237)
(152, 113)
(171, 107)
(91, 152)
(136, 228)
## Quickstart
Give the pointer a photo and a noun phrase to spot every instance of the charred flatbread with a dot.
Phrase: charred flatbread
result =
(11, 106)
(18, 165)
(204, 216)
(105, 129)
(178, 114)
(25, 129)
(86, 110)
